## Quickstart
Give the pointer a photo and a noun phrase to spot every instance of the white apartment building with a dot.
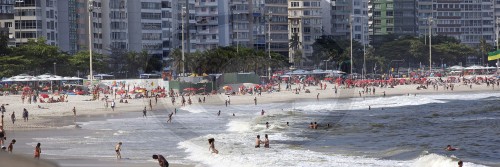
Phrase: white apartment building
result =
(212, 24)
(305, 19)
(32, 19)
(469, 21)
(342, 12)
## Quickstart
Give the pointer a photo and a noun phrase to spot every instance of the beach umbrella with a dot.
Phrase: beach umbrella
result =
(26, 88)
(189, 89)
(44, 95)
(227, 88)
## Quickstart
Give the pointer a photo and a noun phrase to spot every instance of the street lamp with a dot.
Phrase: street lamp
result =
(350, 36)
(269, 46)
(55, 68)
(91, 9)
(430, 45)
(496, 40)
(182, 40)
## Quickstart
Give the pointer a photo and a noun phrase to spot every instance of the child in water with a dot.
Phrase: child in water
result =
(211, 142)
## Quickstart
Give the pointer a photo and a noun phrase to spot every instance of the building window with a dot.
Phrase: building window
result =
(214, 36)
(294, 4)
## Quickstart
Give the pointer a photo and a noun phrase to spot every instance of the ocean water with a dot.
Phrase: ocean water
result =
(408, 131)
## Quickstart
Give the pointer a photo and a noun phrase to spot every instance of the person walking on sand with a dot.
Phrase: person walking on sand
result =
(211, 142)
(25, 115)
(2, 135)
(11, 146)
(255, 100)
(38, 151)
(113, 105)
(118, 148)
(150, 105)
(170, 118)
(13, 117)
(266, 141)
(161, 160)
(144, 112)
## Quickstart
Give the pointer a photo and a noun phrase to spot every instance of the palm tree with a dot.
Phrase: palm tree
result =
(484, 48)
(295, 46)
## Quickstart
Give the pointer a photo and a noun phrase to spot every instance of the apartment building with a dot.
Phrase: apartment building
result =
(212, 24)
(185, 14)
(469, 21)
(393, 17)
(305, 21)
(6, 13)
(345, 12)
(32, 19)
(273, 23)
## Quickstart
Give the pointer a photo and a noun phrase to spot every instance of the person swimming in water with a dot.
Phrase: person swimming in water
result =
(449, 148)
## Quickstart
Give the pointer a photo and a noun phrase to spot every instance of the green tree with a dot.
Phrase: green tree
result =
(42, 56)
(484, 48)
(295, 45)
(80, 62)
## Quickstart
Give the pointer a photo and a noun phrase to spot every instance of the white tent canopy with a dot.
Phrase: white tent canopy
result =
(475, 68)
(44, 77)
(456, 68)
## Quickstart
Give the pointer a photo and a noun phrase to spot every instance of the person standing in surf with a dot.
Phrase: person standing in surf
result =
(144, 112)
(118, 148)
(38, 151)
(11, 146)
(258, 142)
(211, 142)
(266, 141)
(161, 160)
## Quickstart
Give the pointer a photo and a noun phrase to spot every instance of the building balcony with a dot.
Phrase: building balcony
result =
(449, 1)
(449, 25)
(448, 9)
(448, 17)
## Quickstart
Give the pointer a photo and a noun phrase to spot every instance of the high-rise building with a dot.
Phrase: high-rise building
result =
(33, 19)
(212, 24)
(393, 17)
(272, 26)
(6, 14)
(305, 22)
(185, 14)
(342, 12)
(468, 21)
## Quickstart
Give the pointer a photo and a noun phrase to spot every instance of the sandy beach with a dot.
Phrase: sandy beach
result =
(58, 117)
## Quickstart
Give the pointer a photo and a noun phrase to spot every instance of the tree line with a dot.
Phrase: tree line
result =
(414, 51)
(36, 57)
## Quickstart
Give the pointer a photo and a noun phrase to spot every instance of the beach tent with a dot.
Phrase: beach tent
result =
(453, 68)
(475, 68)
(103, 76)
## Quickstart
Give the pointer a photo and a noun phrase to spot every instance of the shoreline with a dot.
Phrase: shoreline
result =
(93, 112)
